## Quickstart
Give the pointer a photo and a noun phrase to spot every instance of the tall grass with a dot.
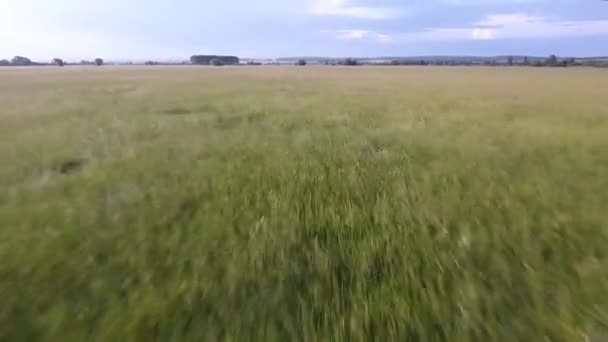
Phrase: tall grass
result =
(308, 204)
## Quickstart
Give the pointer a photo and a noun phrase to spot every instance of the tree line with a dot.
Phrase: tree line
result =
(24, 61)
(217, 60)
(552, 60)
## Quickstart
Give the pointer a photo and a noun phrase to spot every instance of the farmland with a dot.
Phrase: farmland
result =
(313, 203)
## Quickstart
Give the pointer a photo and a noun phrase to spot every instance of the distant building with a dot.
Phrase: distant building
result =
(207, 59)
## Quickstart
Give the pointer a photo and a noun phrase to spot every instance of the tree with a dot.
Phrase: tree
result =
(350, 62)
(4, 62)
(98, 61)
(552, 60)
(570, 61)
(19, 60)
(510, 60)
(301, 62)
(538, 64)
(58, 62)
(526, 61)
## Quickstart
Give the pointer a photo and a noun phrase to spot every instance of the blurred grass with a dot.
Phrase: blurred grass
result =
(405, 204)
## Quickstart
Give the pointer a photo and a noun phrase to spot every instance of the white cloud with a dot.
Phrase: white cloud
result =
(351, 34)
(501, 20)
(522, 26)
(519, 26)
(41, 45)
(384, 38)
(358, 35)
(492, 27)
(495, 2)
(347, 9)
(483, 34)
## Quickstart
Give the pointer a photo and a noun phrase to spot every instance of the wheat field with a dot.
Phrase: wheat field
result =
(304, 204)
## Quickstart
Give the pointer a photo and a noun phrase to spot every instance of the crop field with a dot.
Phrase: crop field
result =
(303, 204)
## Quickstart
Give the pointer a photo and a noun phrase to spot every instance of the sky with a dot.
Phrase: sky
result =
(162, 29)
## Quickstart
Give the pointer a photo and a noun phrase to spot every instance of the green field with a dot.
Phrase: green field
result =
(303, 204)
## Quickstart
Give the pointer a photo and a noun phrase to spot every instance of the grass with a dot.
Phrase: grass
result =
(274, 204)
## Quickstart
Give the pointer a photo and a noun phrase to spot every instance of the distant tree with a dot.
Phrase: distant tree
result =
(526, 61)
(539, 64)
(423, 62)
(552, 60)
(510, 60)
(301, 62)
(351, 62)
(570, 61)
(4, 62)
(151, 63)
(217, 62)
(98, 61)
(58, 62)
(19, 60)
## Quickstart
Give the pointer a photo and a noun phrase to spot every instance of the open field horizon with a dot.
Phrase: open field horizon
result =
(187, 203)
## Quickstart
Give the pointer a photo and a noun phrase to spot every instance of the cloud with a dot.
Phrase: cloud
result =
(493, 2)
(483, 34)
(383, 38)
(359, 35)
(42, 45)
(352, 34)
(346, 9)
(491, 27)
(502, 20)
(522, 26)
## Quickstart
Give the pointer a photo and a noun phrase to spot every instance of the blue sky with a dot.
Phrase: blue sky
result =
(138, 29)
